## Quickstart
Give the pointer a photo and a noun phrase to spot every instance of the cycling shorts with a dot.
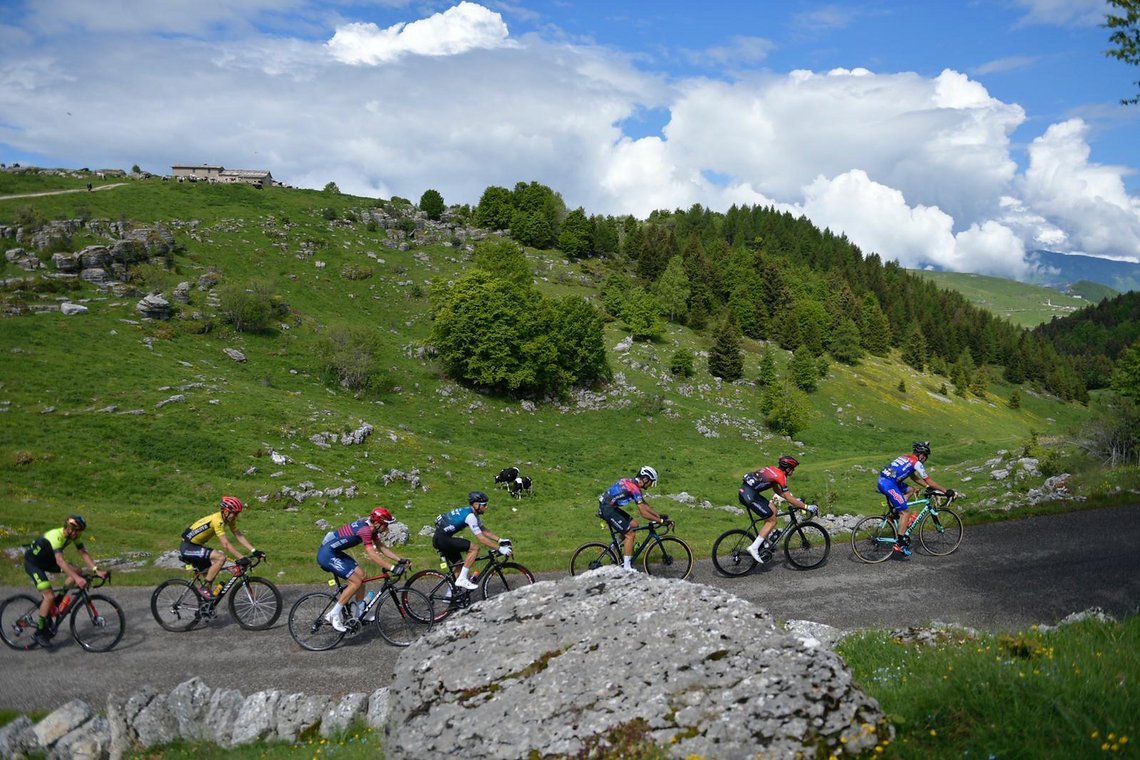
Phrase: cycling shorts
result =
(896, 492)
(38, 575)
(754, 502)
(195, 554)
(452, 547)
(335, 561)
(616, 517)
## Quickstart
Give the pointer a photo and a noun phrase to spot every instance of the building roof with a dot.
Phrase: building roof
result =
(198, 166)
(252, 173)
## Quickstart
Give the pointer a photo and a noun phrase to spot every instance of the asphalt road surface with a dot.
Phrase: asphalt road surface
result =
(1005, 576)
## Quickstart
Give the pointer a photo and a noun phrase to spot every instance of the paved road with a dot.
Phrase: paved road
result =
(1005, 576)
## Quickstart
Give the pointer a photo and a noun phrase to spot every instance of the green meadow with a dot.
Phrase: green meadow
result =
(84, 426)
(1021, 303)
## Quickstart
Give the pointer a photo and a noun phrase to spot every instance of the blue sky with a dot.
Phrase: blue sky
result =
(962, 135)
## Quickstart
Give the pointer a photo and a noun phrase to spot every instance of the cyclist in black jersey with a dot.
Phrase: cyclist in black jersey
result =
(45, 555)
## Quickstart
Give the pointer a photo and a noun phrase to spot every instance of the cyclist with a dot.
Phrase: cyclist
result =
(195, 552)
(622, 492)
(45, 555)
(775, 478)
(332, 557)
(892, 484)
(453, 547)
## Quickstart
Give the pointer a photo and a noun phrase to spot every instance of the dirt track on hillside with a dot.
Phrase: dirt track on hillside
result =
(1005, 576)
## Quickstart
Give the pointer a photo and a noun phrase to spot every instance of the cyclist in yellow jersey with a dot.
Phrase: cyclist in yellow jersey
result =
(44, 556)
(196, 553)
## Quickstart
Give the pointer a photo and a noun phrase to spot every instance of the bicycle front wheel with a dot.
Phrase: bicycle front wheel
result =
(438, 589)
(873, 539)
(503, 578)
(590, 557)
(669, 557)
(941, 533)
(404, 615)
(18, 616)
(255, 604)
(99, 624)
(730, 553)
(174, 605)
(307, 624)
(807, 546)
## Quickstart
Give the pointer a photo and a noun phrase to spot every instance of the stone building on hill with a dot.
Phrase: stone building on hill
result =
(217, 173)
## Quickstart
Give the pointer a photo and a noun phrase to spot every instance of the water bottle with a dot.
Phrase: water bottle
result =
(218, 588)
(773, 537)
(63, 604)
(367, 601)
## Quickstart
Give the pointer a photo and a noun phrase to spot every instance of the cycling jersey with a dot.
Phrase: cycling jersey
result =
(621, 493)
(42, 551)
(769, 477)
(457, 519)
(201, 531)
(353, 534)
(902, 468)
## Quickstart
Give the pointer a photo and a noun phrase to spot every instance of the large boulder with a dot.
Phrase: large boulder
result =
(555, 667)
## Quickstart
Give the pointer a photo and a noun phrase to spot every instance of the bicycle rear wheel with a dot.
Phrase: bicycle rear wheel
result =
(99, 624)
(174, 605)
(18, 616)
(669, 557)
(940, 534)
(404, 615)
(730, 553)
(255, 604)
(307, 624)
(503, 578)
(807, 545)
(873, 539)
(591, 556)
(438, 589)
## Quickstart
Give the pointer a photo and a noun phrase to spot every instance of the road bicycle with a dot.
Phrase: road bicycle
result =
(939, 529)
(494, 577)
(179, 605)
(401, 614)
(97, 621)
(661, 555)
(806, 544)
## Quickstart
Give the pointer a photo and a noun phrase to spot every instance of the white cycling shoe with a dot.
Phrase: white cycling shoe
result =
(755, 553)
(467, 584)
(336, 621)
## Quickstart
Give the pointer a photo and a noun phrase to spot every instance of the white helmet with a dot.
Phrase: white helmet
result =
(648, 472)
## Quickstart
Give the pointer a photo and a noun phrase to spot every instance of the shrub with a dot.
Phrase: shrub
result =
(250, 309)
(681, 364)
(349, 358)
(356, 272)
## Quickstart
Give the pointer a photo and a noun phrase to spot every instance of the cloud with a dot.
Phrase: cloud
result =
(1062, 12)
(459, 29)
(1009, 63)
(741, 51)
(181, 17)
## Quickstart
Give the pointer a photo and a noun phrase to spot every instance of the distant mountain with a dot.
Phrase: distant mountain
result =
(1065, 269)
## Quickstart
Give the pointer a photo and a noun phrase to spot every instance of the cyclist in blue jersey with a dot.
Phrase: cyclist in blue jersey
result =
(621, 493)
(453, 548)
(892, 484)
(333, 558)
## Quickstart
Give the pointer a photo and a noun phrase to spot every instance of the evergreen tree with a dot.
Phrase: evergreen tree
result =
(615, 295)
(681, 364)
(726, 359)
(1126, 375)
(643, 314)
(767, 375)
(672, 290)
(431, 203)
(788, 409)
(605, 236)
(1015, 399)
(804, 370)
(698, 316)
(876, 332)
(576, 238)
(914, 350)
(902, 386)
(844, 344)
(980, 381)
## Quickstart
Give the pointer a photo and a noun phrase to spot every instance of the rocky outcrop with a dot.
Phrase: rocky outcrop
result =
(559, 664)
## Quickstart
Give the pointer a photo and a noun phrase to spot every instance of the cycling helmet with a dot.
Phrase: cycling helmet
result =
(232, 504)
(76, 521)
(921, 447)
(787, 464)
(382, 516)
(648, 472)
(477, 497)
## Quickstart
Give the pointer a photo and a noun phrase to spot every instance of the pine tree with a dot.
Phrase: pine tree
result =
(726, 359)
(767, 375)
(804, 369)
(1015, 399)
(914, 350)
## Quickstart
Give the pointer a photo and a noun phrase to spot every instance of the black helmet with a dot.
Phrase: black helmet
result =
(787, 464)
(77, 521)
(921, 447)
(476, 497)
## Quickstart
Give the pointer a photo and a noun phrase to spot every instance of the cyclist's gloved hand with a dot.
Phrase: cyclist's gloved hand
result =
(243, 562)
(258, 553)
(664, 518)
(399, 568)
(950, 494)
(505, 547)
(813, 509)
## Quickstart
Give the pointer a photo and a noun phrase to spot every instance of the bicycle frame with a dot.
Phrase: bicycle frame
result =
(62, 606)
(617, 540)
(387, 587)
(490, 559)
(235, 570)
(938, 527)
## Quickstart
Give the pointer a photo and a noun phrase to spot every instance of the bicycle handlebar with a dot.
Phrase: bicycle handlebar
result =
(95, 581)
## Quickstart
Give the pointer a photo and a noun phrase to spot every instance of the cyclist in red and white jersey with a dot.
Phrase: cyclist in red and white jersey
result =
(775, 478)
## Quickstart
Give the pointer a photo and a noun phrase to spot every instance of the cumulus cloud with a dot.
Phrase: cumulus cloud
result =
(464, 27)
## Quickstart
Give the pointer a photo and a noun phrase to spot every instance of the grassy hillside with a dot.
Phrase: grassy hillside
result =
(84, 426)
(1021, 303)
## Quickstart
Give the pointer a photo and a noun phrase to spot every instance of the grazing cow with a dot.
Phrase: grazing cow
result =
(507, 476)
(519, 487)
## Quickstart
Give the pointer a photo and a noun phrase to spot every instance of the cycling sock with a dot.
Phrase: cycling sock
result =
(41, 623)
(462, 575)
(336, 608)
(757, 543)
(627, 562)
